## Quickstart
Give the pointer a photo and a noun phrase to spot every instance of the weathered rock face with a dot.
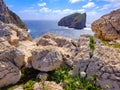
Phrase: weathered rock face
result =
(46, 58)
(7, 16)
(11, 60)
(9, 73)
(11, 57)
(108, 26)
(76, 20)
(26, 47)
(12, 54)
(55, 40)
(68, 45)
(104, 63)
(13, 34)
(82, 57)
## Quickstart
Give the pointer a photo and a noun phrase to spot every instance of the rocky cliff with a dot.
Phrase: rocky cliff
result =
(76, 20)
(108, 26)
(7, 16)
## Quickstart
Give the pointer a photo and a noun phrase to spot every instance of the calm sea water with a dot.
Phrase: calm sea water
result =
(38, 28)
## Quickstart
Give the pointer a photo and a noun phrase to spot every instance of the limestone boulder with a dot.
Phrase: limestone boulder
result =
(55, 40)
(11, 53)
(9, 73)
(108, 26)
(66, 44)
(46, 58)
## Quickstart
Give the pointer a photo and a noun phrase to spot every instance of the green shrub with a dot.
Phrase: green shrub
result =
(58, 75)
(92, 45)
(116, 46)
(104, 42)
(71, 83)
(29, 85)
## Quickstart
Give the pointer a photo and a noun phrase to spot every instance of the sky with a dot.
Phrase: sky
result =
(56, 9)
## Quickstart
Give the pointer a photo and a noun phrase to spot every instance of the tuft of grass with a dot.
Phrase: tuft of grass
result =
(29, 85)
(69, 82)
(92, 45)
(104, 42)
(113, 46)
(116, 46)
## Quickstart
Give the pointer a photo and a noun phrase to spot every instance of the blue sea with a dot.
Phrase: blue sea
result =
(40, 27)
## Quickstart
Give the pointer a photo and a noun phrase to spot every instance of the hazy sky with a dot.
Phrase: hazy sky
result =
(56, 9)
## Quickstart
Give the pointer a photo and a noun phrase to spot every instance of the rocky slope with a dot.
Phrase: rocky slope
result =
(76, 20)
(7, 16)
(50, 51)
(108, 26)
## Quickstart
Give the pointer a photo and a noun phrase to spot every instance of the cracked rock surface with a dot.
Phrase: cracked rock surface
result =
(104, 62)
(9, 73)
(108, 26)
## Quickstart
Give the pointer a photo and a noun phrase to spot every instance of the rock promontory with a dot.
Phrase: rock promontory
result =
(108, 26)
(76, 20)
(7, 16)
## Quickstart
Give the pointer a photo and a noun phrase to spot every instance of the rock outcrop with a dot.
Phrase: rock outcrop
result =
(108, 26)
(7, 16)
(13, 34)
(76, 20)
(46, 59)
(67, 46)
(11, 57)
(103, 63)
(11, 60)
(9, 73)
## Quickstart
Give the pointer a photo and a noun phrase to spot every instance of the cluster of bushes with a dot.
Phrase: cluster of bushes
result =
(60, 75)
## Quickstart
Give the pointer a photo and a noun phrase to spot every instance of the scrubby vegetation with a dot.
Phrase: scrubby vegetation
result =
(29, 85)
(117, 45)
(60, 75)
(92, 45)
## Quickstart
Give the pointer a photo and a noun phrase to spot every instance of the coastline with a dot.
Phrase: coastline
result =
(44, 27)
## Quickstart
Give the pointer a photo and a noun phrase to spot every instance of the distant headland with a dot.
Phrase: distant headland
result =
(76, 20)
